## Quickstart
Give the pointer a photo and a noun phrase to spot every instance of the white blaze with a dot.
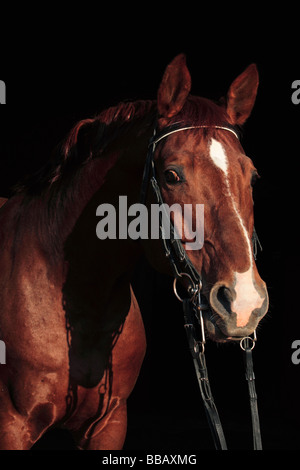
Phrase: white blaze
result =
(219, 156)
(247, 297)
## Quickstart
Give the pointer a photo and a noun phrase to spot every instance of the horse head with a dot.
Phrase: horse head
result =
(203, 162)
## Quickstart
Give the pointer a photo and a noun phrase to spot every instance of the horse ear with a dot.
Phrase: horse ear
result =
(241, 95)
(174, 88)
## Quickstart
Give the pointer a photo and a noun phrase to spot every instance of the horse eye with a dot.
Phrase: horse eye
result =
(172, 177)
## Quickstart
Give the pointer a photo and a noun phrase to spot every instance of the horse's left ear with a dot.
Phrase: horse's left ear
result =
(174, 88)
(241, 95)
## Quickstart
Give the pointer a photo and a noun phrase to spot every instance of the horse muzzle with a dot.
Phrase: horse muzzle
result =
(233, 314)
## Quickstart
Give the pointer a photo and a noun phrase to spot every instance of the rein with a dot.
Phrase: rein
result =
(184, 270)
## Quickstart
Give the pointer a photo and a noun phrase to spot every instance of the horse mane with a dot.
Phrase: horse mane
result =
(86, 140)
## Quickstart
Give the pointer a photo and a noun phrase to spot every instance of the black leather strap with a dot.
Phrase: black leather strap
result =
(250, 377)
(198, 355)
(196, 347)
(173, 247)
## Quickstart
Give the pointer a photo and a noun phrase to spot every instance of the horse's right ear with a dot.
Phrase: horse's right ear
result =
(241, 95)
(174, 88)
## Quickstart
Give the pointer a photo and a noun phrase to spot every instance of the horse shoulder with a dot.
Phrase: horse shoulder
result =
(108, 428)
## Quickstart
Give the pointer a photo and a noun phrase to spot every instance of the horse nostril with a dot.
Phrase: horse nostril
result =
(225, 297)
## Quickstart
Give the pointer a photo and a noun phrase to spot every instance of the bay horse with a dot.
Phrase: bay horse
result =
(72, 327)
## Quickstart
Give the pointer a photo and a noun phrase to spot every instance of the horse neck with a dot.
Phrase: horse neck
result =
(117, 173)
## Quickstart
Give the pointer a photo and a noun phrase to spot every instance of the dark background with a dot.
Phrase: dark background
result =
(52, 85)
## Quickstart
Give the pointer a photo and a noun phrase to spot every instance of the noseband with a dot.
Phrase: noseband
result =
(184, 270)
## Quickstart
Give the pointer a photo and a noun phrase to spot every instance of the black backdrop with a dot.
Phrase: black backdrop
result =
(50, 88)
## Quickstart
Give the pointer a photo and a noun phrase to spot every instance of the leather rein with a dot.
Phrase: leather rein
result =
(184, 270)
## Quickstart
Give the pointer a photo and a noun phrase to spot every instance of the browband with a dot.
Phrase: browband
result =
(166, 132)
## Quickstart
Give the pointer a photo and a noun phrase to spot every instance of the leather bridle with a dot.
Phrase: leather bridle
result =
(184, 270)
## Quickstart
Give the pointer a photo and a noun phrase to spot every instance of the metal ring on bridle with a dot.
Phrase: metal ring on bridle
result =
(242, 343)
(191, 288)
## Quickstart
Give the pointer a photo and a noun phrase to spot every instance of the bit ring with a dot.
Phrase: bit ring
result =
(242, 343)
(193, 286)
